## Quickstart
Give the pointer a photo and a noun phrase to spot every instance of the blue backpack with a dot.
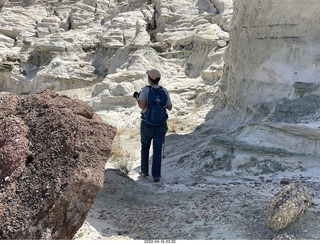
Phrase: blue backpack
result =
(156, 113)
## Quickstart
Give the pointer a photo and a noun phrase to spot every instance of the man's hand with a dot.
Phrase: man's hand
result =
(136, 95)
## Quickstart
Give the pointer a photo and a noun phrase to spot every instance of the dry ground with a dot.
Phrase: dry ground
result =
(143, 210)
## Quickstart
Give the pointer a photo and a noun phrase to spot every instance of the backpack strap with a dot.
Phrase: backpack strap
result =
(153, 88)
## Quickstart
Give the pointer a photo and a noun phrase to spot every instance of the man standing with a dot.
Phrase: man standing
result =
(153, 100)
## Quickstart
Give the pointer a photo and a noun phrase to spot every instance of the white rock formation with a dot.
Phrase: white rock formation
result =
(99, 51)
(270, 57)
(268, 54)
(268, 111)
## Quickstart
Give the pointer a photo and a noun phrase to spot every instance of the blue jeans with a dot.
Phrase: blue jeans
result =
(157, 134)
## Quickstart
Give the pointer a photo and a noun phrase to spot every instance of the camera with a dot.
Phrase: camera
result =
(136, 95)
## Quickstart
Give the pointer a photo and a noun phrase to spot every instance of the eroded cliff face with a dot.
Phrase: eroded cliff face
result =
(273, 55)
(103, 49)
(269, 93)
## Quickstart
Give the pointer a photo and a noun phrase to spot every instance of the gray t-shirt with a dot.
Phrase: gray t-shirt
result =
(144, 95)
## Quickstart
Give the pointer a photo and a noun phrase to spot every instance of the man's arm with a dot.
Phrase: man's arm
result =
(142, 104)
(169, 104)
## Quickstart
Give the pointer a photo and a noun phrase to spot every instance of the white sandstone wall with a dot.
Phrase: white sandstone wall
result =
(105, 46)
(274, 46)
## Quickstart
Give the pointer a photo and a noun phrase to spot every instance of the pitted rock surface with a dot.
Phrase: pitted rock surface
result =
(53, 152)
(287, 207)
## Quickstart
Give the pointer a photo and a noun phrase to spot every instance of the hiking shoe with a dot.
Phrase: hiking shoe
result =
(143, 174)
(156, 179)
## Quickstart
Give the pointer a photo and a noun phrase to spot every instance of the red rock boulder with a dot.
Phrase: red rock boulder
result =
(53, 152)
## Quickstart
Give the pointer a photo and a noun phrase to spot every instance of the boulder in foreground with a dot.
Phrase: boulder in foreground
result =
(287, 207)
(53, 152)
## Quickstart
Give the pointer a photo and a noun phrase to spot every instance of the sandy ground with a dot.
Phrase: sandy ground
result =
(188, 208)
(142, 210)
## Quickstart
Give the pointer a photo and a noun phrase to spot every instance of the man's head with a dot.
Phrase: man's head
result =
(154, 76)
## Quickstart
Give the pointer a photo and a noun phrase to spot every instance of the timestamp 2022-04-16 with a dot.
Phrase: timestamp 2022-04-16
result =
(159, 241)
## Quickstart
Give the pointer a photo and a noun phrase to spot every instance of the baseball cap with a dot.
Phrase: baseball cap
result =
(154, 74)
